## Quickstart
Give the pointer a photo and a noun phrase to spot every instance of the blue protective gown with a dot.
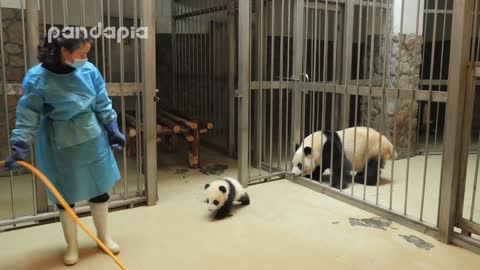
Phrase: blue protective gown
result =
(66, 114)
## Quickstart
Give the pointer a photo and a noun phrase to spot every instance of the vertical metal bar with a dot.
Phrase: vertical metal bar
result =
(370, 85)
(348, 18)
(475, 181)
(348, 28)
(175, 52)
(421, 104)
(200, 99)
(109, 15)
(313, 69)
(44, 17)
(467, 116)
(298, 22)
(454, 116)
(359, 53)
(24, 31)
(82, 13)
(183, 58)
(7, 122)
(280, 91)
(441, 72)
(51, 14)
(40, 200)
(401, 38)
(149, 107)
(187, 57)
(122, 98)
(211, 66)
(84, 25)
(367, 19)
(244, 11)
(287, 102)
(410, 119)
(196, 55)
(102, 16)
(304, 93)
(272, 68)
(138, 126)
(324, 79)
(335, 83)
(259, 93)
(215, 71)
(386, 64)
(429, 105)
(65, 12)
(231, 77)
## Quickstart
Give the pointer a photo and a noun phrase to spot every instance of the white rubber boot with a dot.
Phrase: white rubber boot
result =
(100, 218)
(70, 231)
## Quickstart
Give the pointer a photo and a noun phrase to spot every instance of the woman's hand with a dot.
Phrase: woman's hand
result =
(115, 137)
(20, 151)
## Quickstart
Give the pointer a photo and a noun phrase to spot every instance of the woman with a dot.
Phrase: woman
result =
(65, 107)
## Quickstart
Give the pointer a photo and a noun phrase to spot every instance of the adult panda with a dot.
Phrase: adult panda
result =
(308, 158)
(370, 154)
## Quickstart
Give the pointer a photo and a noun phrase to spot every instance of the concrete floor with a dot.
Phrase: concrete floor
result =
(286, 227)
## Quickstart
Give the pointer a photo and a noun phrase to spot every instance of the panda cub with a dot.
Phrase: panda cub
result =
(315, 151)
(221, 194)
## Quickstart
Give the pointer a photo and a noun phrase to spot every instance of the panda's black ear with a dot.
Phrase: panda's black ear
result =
(297, 146)
(307, 150)
(222, 189)
(207, 185)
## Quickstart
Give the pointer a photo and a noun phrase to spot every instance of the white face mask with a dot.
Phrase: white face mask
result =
(78, 63)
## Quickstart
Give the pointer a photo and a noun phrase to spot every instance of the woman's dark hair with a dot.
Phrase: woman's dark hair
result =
(50, 52)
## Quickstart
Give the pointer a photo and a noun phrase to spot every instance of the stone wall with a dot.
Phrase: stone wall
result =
(14, 69)
(403, 71)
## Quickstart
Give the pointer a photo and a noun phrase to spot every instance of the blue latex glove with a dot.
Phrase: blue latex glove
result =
(20, 151)
(115, 137)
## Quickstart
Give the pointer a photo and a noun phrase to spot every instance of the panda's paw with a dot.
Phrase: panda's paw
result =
(337, 185)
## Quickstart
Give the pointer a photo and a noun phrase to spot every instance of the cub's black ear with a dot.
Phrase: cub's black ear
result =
(207, 185)
(222, 189)
(297, 146)
(307, 150)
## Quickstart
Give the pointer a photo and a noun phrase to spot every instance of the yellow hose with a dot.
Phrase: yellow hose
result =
(65, 205)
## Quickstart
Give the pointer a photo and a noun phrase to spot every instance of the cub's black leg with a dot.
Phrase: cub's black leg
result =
(223, 212)
(245, 199)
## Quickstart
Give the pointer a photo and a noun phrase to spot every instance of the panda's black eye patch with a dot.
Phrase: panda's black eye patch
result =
(215, 202)
(300, 165)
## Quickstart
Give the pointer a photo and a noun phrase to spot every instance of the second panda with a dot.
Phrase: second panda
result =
(364, 154)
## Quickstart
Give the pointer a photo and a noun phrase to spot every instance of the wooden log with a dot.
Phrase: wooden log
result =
(189, 138)
(169, 123)
(175, 118)
(203, 124)
(132, 121)
(194, 151)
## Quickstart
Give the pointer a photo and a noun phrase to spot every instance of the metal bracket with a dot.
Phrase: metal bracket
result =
(156, 98)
